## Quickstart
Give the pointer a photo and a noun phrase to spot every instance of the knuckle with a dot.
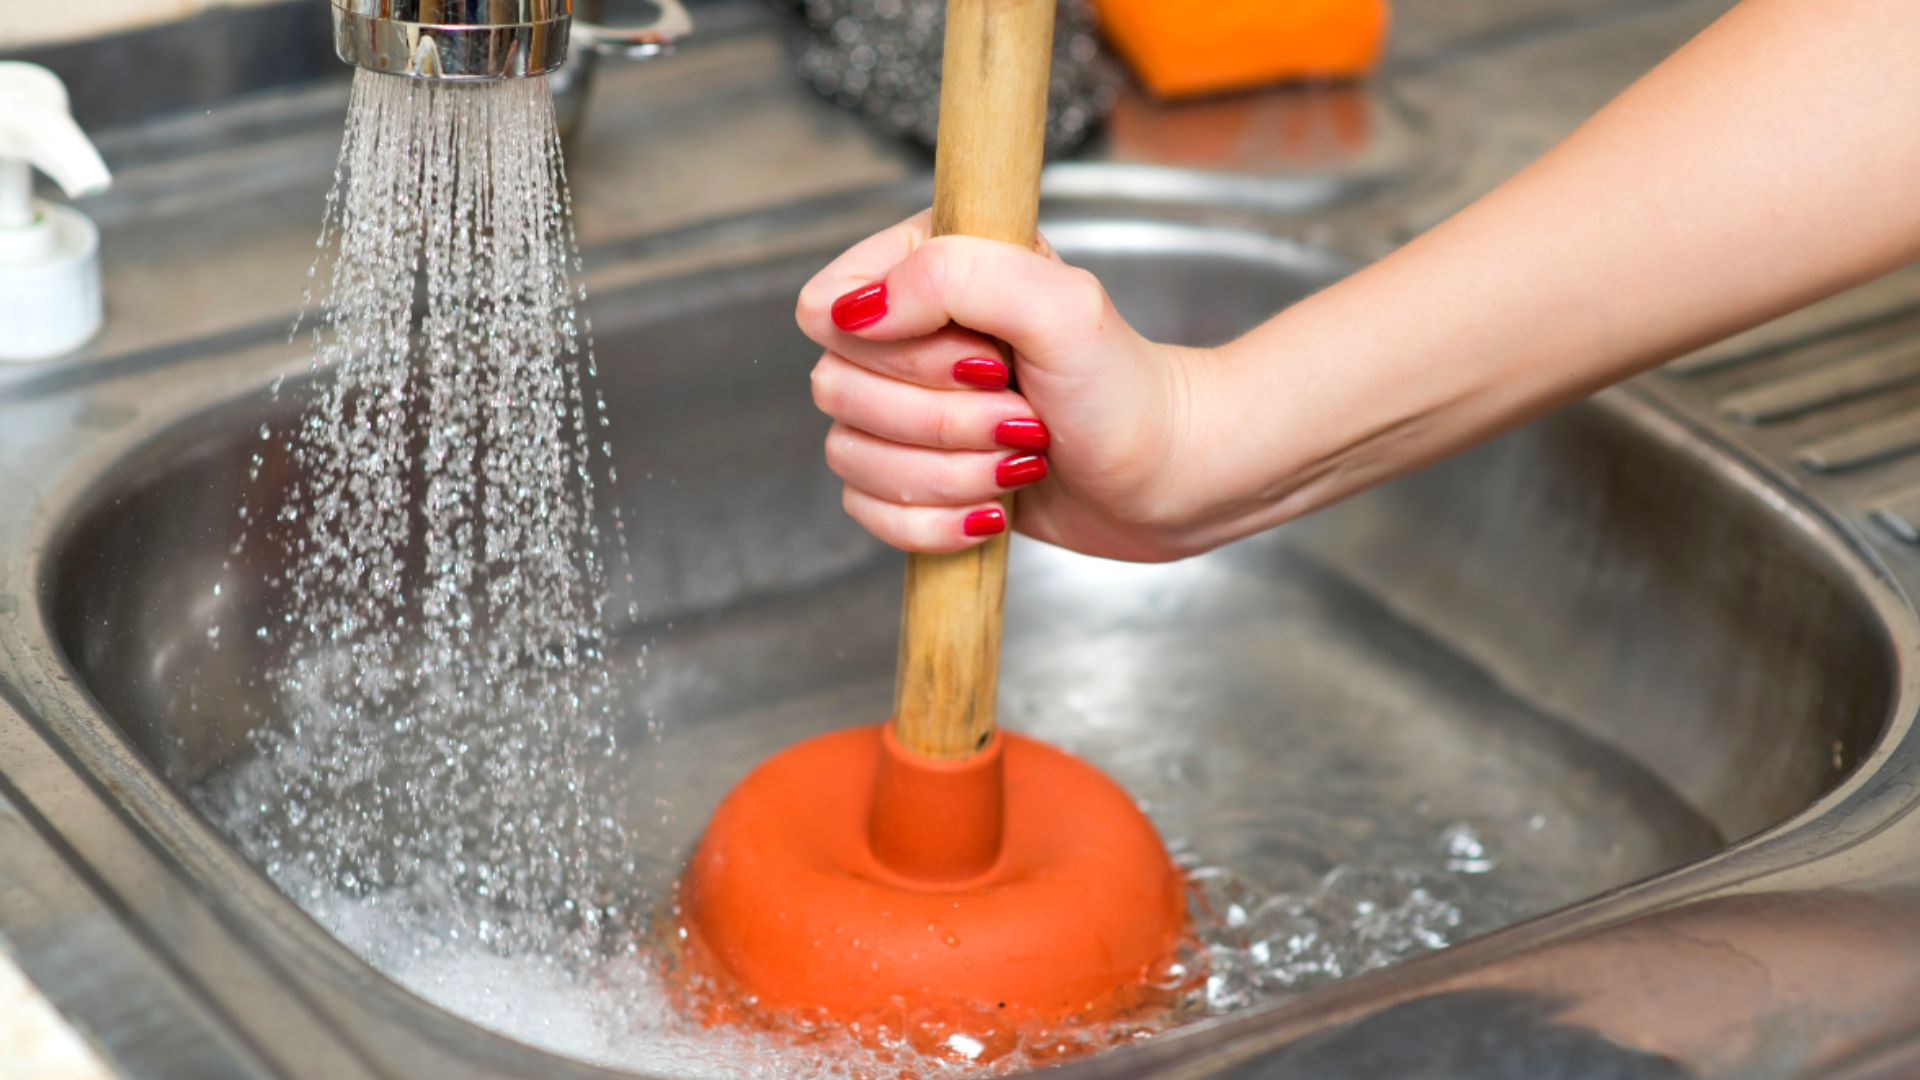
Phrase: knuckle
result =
(954, 481)
(810, 309)
(945, 428)
(930, 271)
(945, 269)
(1084, 297)
(826, 387)
(859, 509)
(869, 515)
(836, 450)
(896, 361)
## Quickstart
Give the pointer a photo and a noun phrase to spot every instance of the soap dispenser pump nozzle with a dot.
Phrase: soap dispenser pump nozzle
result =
(49, 255)
(37, 131)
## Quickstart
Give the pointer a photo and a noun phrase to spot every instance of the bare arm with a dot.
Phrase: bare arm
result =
(1772, 161)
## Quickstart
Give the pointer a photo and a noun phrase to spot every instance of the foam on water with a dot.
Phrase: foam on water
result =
(1252, 943)
(445, 680)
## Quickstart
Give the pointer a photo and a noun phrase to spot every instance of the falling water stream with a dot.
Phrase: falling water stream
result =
(442, 652)
(447, 690)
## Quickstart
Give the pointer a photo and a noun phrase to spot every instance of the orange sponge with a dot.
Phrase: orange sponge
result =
(1182, 48)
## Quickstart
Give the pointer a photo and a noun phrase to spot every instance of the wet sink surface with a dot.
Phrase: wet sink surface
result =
(1486, 692)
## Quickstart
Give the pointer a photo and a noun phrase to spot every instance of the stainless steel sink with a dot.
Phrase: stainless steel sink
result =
(1663, 645)
(1696, 679)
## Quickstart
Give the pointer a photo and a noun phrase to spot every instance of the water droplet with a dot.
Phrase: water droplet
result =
(1466, 850)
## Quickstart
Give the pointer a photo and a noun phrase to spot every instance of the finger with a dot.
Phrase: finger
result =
(947, 359)
(924, 528)
(920, 476)
(862, 264)
(1000, 290)
(903, 413)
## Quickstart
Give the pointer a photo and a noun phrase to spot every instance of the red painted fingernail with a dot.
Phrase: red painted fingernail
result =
(1020, 470)
(1028, 434)
(863, 306)
(985, 522)
(981, 371)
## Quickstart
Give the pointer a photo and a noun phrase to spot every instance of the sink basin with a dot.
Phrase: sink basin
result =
(1597, 672)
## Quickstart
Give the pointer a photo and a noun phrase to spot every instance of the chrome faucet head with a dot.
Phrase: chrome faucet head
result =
(480, 40)
(453, 40)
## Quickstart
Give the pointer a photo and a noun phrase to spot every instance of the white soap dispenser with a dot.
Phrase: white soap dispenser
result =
(49, 255)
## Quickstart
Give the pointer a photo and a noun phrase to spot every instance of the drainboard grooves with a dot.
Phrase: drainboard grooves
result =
(1901, 516)
(1812, 336)
(1840, 352)
(1886, 368)
(1884, 440)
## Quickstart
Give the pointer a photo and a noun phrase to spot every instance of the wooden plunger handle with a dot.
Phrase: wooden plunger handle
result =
(986, 182)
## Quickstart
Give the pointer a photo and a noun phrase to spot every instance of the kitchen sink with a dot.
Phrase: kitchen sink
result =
(1588, 753)
(1662, 689)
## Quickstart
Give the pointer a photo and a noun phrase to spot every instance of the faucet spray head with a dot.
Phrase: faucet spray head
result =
(484, 40)
(453, 40)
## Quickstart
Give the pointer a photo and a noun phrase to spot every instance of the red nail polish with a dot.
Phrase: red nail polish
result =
(985, 522)
(1029, 434)
(862, 307)
(1020, 470)
(981, 371)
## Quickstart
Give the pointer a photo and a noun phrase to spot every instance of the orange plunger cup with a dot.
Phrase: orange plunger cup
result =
(936, 862)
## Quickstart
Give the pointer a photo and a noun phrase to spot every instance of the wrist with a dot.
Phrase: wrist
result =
(1275, 421)
(1188, 484)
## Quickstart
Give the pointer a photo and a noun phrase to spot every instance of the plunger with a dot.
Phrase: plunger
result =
(934, 861)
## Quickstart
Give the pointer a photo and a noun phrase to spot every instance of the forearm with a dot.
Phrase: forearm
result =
(1773, 161)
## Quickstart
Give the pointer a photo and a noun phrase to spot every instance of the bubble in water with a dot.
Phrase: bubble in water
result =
(1222, 897)
(1466, 849)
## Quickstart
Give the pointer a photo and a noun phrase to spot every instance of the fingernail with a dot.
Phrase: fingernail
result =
(981, 371)
(1020, 470)
(862, 307)
(985, 522)
(1028, 434)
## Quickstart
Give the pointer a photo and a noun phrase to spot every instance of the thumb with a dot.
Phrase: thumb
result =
(1034, 302)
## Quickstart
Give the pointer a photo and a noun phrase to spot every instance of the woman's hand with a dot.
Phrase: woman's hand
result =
(1765, 165)
(927, 433)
